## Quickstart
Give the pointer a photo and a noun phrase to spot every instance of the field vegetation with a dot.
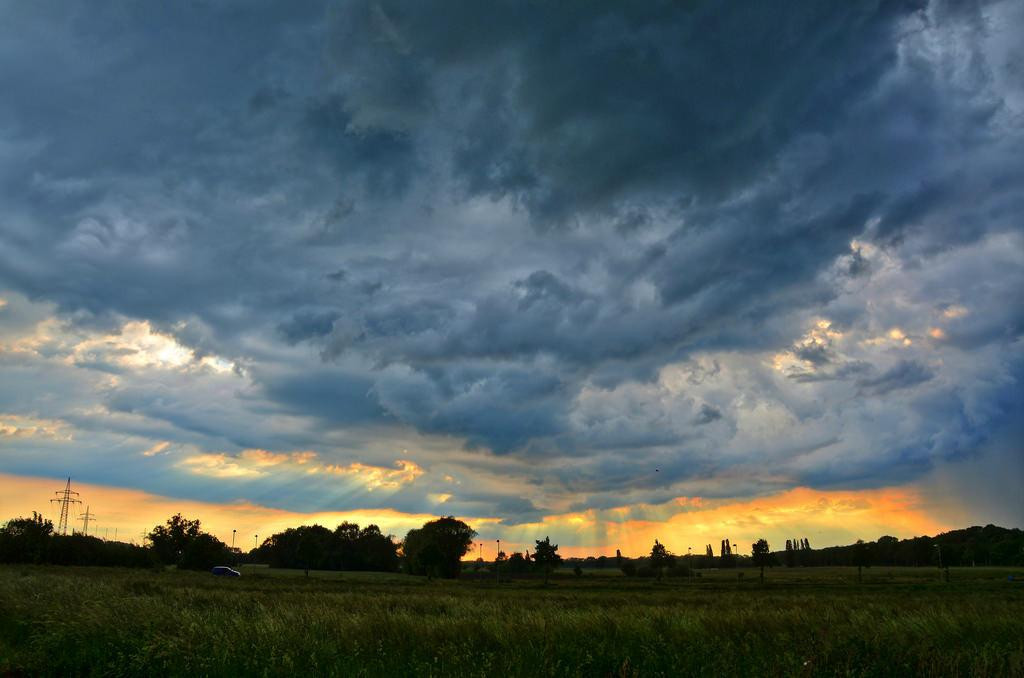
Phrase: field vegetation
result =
(801, 621)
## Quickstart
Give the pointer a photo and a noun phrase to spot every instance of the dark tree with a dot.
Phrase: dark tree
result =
(762, 555)
(727, 559)
(790, 553)
(182, 542)
(425, 557)
(25, 540)
(661, 558)
(436, 549)
(518, 563)
(886, 548)
(376, 551)
(546, 557)
(306, 547)
(203, 552)
(803, 552)
(169, 541)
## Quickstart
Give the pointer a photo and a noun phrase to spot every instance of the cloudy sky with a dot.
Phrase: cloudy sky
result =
(604, 271)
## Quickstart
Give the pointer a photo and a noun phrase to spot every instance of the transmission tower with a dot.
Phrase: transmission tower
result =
(85, 518)
(65, 498)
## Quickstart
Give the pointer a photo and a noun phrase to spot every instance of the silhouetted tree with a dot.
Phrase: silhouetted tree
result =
(436, 549)
(545, 555)
(169, 541)
(203, 552)
(375, 550)
(517, 563)
(661, 558)
(182, 542)
(307, 546)
(762, 555)
(803, 553)
(727, 558)
(790, 553)
(25, 540)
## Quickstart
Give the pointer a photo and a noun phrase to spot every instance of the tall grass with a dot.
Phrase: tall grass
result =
(117, 622)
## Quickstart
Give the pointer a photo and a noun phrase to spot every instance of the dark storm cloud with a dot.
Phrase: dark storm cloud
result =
(499, 408)
(305, 325)
(905, 374)
(708, 414)
(816, 354)
(584, 104)
(477, 221)
(335, 396)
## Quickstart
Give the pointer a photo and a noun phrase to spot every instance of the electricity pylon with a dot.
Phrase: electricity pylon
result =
(86, 517)
(65, 498)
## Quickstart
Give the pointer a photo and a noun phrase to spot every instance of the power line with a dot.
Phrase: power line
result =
(65, 498)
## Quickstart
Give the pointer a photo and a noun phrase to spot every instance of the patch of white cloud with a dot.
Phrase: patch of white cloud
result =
(258, 462)
(15, 426)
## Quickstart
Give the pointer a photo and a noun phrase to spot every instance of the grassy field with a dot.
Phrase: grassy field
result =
(61, 621)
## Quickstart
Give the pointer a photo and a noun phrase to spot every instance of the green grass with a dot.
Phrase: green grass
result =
(82, 621)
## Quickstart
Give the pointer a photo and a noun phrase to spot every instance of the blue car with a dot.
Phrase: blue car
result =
(225, 571)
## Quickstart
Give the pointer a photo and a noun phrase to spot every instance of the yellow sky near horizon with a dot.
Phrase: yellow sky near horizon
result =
(826, 518)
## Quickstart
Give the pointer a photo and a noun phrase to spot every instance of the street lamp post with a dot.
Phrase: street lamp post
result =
(497, 564)
(233, 539)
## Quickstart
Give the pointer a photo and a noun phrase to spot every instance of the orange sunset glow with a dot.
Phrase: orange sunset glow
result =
(822, 517)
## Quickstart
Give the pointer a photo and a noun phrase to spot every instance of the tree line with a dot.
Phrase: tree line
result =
(438, 547)
(981, 546)
(32, 540)
(314, 547)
